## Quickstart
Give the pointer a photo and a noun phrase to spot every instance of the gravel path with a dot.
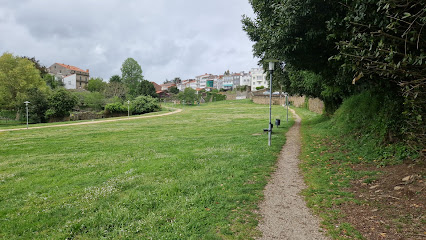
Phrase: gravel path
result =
(284, 211)
(177, 110)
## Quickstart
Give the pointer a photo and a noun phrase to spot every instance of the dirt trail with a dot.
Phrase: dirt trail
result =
(95, 122)
(284, 211)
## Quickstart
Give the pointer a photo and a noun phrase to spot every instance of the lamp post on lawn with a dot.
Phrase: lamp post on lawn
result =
(286, 103)
(26, 106)
(271, 70)
(128, 108)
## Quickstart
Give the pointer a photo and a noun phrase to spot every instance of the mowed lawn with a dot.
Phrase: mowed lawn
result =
(198, 174)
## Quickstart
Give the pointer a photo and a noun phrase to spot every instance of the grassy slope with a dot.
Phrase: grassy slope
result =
(197, 174)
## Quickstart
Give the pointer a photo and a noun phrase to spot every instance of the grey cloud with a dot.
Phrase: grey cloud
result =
(167, 38)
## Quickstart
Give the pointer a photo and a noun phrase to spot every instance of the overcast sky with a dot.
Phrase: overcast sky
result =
(168, 38)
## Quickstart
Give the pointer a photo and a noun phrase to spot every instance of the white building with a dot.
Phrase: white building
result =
(202, 80)
(228, 81)
(245, 79)
(190, 83)
(70, 81)
(258, 78)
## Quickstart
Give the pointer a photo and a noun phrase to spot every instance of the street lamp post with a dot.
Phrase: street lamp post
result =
(26, 106)
(271, 70)
(128, 108)
(286, 103)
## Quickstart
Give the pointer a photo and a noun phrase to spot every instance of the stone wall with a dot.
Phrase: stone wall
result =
(314, 104)
(276, 100)
(297, 101)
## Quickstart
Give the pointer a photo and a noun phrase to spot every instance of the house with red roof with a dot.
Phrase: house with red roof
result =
(72, 77)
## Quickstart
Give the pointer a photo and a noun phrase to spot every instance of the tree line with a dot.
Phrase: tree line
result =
(333, 50)
(25, 79)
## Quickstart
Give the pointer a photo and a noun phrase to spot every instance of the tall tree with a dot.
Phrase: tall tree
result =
(17, 76)
(296, 32)
(131, 75)
(43, 69)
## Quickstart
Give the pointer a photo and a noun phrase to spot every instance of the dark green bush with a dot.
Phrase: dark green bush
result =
(61, 102)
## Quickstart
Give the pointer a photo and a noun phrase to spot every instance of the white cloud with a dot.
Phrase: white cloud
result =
(167, 38)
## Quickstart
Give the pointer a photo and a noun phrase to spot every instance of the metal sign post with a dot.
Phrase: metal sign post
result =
(26, 105)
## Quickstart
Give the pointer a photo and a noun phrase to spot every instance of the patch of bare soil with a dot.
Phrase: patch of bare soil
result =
(392, 206)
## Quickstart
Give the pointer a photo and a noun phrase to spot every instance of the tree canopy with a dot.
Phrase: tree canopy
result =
(115, 78)
(17, 76)
(333, 50)
(96, 85)
(131, 75)
(146, 88)
(188, 96)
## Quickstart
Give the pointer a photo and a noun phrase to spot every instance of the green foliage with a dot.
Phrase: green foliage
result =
(131, 75)
(115, 78)
(214, 96)
(145, 104)
(90, 100)
(146, 88)
(174, 90)
(189, 96)
(43, 70)
(259, 88)
(335, 50)
(385, 42)
(116, 107)
(96, 85)
(61, 102)
(372, 114)
(17, 76)
(38, 106)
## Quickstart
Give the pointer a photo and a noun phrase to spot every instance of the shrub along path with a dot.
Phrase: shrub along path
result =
(284, 211)
(178, 110)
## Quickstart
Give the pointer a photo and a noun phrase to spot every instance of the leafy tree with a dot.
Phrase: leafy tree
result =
(61, 102)
(174, 90)
(17, 76)
(131, 75)
(145, 104)
(38, 105)
(188, 95)
(385, 47)
(116, 89)
(146, 88)
(43, 69)
(296, 32)
(115, 78)
(96, 85)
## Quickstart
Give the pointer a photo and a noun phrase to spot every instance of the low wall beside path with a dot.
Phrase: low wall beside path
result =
(313, 104)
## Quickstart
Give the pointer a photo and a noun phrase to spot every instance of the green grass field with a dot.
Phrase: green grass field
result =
(198, 174)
